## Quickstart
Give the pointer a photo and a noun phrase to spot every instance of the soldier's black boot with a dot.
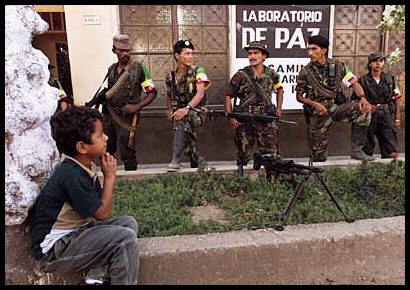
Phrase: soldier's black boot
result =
(193, 160)
(256, 161)
(358, 141)
(240, 168)
(177, 147)
(130, 164)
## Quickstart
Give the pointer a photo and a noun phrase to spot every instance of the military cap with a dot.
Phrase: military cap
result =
(180, 44)
(375, 56)
(121, 41)
(258, 45)
(319, 40)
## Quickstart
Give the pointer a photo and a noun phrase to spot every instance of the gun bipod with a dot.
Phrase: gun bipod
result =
(299, 190)
(276, 166)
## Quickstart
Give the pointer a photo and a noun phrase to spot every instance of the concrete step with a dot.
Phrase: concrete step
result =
(363, 252)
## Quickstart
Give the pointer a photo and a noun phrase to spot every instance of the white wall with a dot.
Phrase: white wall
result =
(89, 45)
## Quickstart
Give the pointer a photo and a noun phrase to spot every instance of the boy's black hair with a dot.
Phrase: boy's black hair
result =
(73, 125)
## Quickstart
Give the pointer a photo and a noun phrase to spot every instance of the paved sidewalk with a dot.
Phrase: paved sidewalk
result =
(148, 170)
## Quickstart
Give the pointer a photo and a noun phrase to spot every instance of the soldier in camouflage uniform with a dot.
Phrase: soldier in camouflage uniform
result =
(247, 99)
(320, 81)
(185, 88)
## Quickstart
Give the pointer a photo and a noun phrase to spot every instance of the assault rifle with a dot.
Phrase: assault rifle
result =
(276, 166)
(244, 117)
(98, 99)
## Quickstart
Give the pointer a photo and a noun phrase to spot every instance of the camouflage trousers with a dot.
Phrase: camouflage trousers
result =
(319, 126)
(265, 135)
(189, 124)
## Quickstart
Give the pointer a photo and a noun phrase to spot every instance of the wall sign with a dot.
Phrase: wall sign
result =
(285, 29)
(92, 19)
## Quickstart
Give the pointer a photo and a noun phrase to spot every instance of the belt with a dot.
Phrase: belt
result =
(382, 106)
(326, 101)
(254, 109)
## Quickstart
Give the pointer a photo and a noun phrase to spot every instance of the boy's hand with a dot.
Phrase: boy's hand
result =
(108, 165)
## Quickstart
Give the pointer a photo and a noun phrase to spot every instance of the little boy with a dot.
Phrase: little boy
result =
(71, 230)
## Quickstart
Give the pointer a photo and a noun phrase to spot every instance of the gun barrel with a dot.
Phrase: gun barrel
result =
(248, 117)
(260, 117)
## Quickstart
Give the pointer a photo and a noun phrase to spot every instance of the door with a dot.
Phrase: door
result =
(154, 29)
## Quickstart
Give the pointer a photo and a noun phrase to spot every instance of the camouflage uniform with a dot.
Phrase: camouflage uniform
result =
(318, 131)
(265, 135)
(185, 129)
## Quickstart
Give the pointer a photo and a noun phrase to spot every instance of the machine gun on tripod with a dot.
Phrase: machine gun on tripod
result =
(276, 166)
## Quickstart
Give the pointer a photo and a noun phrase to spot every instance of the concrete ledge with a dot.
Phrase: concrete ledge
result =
(364, 252)
(150, 170)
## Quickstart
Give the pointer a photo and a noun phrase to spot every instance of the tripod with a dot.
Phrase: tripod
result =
(306, 171)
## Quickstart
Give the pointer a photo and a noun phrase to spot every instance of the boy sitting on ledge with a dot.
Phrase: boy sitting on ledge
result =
(71, 228)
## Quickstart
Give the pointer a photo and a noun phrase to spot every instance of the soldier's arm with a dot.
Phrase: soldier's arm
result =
(228, 109)
(279, 102)
(200, 92)
(397, 122)
(148, 99)
(364, 105)
(148, 87)
(202, 84)
(316, 105)
(150, 93)
(232, 91)
(301, 89)
(228, 104)
(350, 80)
(278, 88)
(169, 105)
(397, 103)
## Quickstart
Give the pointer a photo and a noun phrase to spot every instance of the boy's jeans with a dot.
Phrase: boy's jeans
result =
(110, 245)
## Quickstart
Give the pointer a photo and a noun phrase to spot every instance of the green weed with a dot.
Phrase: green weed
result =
(162, 204)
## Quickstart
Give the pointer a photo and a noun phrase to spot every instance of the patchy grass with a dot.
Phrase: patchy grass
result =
(163, 205)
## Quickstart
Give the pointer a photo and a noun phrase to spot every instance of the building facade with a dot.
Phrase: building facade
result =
(153, 30)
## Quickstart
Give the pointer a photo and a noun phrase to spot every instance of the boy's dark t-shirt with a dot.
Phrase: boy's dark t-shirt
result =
(71, 195)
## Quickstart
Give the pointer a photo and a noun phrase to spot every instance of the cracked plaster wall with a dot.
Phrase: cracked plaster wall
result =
(30, 151)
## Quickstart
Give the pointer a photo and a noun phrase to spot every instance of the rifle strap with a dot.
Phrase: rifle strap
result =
(256, 86)
(326, 93)
(98, 91)
(174, 95)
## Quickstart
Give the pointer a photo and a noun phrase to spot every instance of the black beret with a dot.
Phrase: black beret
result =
(179, 45)
(319, 40)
